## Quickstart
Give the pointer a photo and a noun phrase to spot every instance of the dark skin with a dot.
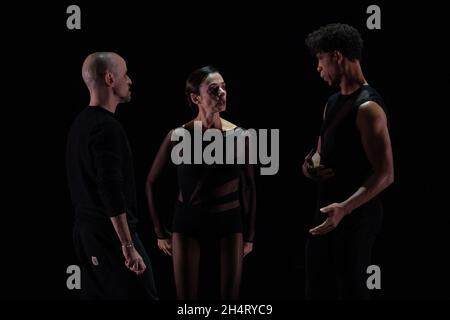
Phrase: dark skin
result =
(313, 171)
(371, 123)
(311, 166)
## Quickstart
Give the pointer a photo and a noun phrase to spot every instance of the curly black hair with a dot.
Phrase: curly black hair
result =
(336, 36)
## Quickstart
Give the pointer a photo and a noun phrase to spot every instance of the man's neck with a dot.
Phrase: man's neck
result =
(104, 101)
(352, 78)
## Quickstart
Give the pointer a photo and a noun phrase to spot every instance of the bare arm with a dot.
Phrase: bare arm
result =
(372, 124)
(247, 190)
(311, 166)
(121, 226)
(248, 196)
(133, 259)
(107, 144)
(162, 160)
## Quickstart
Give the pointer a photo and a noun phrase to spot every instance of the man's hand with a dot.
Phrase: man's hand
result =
(133, 260)
(248, 247)
(165, 245)
(335, 212)
(317, 173)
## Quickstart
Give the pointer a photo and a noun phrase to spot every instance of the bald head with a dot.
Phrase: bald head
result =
(96, 64)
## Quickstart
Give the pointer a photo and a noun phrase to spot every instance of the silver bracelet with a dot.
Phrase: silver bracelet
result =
(128, 245)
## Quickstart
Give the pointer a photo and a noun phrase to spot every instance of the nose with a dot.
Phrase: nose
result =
(129, 80)
(221, 92)
(319, 67)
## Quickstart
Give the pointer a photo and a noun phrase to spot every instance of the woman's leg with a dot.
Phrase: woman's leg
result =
(231, 256)
(186, 258)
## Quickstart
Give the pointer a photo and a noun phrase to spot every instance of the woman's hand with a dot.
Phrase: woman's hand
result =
(165, 245)
(248, 247)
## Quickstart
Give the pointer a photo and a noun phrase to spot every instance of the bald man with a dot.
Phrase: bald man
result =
(114, 263)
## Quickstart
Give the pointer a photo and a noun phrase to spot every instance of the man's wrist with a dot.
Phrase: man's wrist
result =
(127, 245)
(347, 207)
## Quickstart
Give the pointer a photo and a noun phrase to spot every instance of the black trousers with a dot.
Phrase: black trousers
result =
(336, 263)
(103, 271)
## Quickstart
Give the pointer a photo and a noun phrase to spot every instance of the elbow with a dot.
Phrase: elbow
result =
(390, 175)
(384, 176)
(149, 184)
(384, 179)
(388, 178)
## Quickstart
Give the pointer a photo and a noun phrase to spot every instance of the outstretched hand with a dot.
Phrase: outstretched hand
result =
(335, 212)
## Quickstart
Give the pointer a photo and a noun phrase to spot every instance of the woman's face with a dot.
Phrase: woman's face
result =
(213, 94)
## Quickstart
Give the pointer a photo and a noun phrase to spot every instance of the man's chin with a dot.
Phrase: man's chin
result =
(126, 99)
(332, 84)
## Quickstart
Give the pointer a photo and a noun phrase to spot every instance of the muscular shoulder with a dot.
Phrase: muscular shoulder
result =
(370, 114)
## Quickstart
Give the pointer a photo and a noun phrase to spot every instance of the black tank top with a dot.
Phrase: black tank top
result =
(341, 146)
(199, 179)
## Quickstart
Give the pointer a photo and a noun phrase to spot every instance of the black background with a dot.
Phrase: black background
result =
(272, 83)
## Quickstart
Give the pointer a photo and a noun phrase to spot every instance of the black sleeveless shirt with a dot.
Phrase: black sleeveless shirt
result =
(205, 177)
(341, 145)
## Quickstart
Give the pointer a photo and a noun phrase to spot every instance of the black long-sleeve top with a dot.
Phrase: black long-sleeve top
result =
(100, 168)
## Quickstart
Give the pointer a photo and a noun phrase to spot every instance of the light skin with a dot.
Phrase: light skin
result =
(105, 75)
(371, 122)
(210, 101)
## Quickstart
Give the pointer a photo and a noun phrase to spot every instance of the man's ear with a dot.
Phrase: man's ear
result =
(338, 55)
(109, 78)
(194, 98)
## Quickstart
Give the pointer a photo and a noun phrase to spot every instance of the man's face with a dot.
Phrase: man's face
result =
(328, 67)
(213, 94)
(122, 82)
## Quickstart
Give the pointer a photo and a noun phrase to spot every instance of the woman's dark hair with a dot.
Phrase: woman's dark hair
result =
(194, 81)
(341, 37)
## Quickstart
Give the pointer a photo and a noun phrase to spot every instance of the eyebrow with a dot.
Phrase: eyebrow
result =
(215, 83)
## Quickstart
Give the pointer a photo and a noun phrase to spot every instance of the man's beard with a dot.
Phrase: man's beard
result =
(126, 98)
